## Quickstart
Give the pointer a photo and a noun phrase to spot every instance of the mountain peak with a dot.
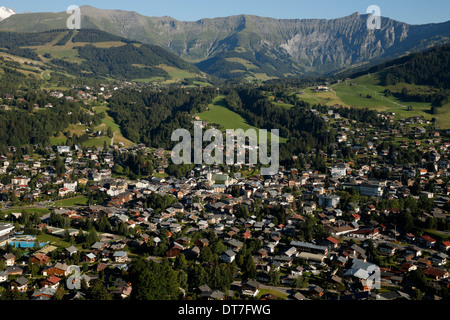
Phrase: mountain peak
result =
(6, 12)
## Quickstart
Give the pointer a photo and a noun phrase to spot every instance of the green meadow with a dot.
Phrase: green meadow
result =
(219, 114)
(367, 91)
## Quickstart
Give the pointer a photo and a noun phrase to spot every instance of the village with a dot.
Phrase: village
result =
(311, 234)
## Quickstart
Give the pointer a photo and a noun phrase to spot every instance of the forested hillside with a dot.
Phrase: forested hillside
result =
(423, 68)
(151, 117)
(93, 53)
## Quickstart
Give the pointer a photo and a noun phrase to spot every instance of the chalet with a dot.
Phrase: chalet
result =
(387, 248)
(99, 246)
(202, 243)
(41, 259)
(21, 284)
(9, 259)
(315, 290)
(14, 270)
(427, 241)
(71, 250)
(282, 260)
(20, 180)
(393, 295)
(51, 282)
(212, 295)
(339, 260)
(250, 287)
(247, 235)
(299, 296)
(45, 293)
(331, 242)
(228, 256)
(90, 257)
(360, 271)
(59, 269)
(120, 256)
(101, 266)
(235, 245)
(174, 251)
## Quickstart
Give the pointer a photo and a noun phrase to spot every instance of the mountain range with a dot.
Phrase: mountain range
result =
(252, 46)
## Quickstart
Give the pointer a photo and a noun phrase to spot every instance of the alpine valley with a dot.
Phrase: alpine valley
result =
(94, 205)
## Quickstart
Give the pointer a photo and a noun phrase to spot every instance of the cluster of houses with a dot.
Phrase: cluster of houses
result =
(209, 198)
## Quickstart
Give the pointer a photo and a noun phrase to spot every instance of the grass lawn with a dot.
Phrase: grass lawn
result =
(277, 293)
(29, 210)
(53, 240)
(59, 140)
(70, 202)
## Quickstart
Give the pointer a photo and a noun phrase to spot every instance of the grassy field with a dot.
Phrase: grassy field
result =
(29, 210)
(71, 202)
(325, 98)
(109, 122)
(368, 92)
(175, 74)
(356, 95)
(274, 292)
(53, 240)
(219, 114)
(284, 105)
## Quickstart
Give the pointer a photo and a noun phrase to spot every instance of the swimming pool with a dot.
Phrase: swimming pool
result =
(26, 244)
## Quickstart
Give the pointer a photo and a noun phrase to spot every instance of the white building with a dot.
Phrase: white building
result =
(339, 170)
(20, 181)
(62, 149)
(71, 186)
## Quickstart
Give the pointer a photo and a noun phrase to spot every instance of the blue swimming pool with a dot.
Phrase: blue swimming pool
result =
(26, 244)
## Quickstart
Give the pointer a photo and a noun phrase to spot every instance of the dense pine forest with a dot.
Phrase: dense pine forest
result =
(423, 68)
